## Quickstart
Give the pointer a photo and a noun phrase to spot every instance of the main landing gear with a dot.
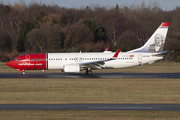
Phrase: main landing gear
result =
(88, 72)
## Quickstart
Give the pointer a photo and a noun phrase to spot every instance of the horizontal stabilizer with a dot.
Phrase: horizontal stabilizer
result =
(163, 53)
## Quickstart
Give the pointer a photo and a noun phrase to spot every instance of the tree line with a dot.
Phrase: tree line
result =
(41, 28)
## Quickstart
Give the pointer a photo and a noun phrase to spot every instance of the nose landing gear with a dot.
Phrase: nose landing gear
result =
(21, 70)
(24, 72)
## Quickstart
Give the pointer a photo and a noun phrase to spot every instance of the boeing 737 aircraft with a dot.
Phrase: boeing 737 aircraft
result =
(76, 62)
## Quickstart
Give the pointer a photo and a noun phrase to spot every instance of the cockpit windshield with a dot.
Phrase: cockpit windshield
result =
(16, 59)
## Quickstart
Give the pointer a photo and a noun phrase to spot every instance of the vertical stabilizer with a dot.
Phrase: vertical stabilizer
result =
(156, 42)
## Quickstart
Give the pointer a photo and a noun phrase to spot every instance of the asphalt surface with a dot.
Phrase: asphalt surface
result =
(150, 107)
(94, 75)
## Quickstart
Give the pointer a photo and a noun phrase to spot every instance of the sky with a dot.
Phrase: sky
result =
(164, 4)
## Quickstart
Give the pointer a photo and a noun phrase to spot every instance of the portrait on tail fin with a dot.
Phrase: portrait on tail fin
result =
(158, 44)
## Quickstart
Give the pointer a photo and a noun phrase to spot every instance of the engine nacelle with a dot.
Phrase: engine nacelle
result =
(71, 68)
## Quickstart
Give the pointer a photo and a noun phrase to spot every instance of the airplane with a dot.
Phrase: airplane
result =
(151, 51)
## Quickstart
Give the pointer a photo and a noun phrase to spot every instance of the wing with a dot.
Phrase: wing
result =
(98, 64)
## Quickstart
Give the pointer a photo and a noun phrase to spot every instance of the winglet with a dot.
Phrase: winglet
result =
(107, 49)
(117, 53)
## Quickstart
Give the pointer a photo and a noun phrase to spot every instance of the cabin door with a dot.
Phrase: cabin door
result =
(139, 58)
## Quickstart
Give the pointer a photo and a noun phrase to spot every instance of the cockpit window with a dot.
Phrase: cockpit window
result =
(16, 59)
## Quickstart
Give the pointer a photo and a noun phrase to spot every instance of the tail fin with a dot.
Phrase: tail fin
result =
(156, 42)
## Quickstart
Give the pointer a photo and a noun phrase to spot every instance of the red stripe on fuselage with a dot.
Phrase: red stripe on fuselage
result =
(29, 62)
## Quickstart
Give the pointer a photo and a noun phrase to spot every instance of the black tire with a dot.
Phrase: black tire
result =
(89, 72)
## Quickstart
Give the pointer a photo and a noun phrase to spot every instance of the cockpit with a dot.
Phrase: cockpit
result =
(16, 59)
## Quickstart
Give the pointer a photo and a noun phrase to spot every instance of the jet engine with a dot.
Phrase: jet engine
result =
(71, 68)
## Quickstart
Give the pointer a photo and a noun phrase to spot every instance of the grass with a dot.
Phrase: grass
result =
(32, 91)
(157, 67)
(62, 91)
(88, 115)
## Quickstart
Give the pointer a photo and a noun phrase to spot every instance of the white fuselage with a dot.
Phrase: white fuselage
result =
(124, 59)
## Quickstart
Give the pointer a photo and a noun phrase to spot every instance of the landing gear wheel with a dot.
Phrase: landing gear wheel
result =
(89, 72)
(24, 72)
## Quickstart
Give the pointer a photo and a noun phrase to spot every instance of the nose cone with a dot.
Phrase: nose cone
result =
(9, 63)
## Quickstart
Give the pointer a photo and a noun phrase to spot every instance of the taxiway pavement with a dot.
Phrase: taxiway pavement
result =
(94, 75)
(151, 107)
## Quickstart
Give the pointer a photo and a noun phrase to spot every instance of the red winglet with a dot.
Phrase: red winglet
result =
(107, 49)
(165, 24)
(117, 53)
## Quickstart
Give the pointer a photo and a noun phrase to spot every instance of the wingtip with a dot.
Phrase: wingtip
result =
(107, 49)
(117, 53)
